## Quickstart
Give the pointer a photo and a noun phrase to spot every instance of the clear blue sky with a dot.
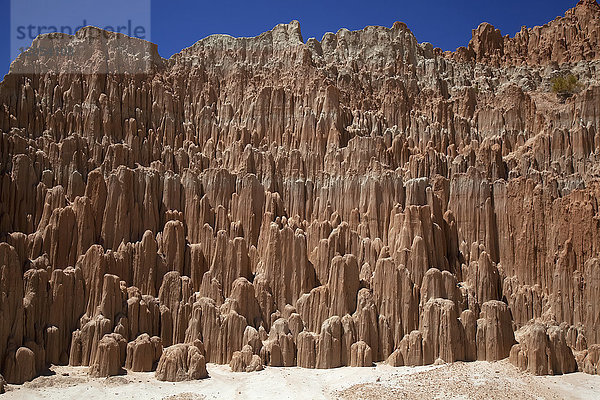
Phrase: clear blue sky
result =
(446, 24)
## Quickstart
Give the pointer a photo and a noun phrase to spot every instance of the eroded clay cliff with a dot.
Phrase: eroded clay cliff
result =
(275, 201)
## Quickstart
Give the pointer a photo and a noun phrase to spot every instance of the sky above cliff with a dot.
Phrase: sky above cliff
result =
(176, 24)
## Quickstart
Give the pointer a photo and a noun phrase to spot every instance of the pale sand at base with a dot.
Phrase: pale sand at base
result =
(474, 380)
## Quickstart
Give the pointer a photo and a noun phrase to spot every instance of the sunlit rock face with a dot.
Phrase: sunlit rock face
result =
(280, 202)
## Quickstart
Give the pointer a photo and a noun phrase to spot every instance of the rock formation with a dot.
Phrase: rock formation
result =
(111, 356)
(590, 362)
(495, 336)
(182, 362)
(361, 355)
(143, 353)
(245, 360)
(543, 350)
(275, 201)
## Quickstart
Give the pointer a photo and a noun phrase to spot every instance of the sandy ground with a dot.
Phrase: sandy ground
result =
(476, 380)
